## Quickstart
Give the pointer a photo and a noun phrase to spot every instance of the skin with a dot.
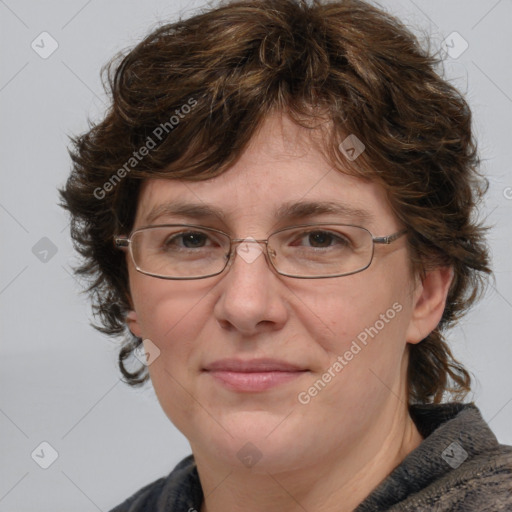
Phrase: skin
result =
(326, 455)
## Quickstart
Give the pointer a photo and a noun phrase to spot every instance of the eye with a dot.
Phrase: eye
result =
(187, 240)
(320, 239)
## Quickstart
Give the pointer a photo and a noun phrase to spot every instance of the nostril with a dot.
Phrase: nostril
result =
(226, 325)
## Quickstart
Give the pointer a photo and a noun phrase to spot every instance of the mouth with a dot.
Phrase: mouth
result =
(254, 375)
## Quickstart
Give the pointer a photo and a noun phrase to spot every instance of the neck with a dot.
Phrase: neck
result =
(338, 484)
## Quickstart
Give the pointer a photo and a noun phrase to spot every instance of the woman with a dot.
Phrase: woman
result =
(277, 213)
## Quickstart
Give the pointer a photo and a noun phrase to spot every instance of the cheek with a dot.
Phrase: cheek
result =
(168, 310)
(357, 332)
(339, 311)
(173, 315)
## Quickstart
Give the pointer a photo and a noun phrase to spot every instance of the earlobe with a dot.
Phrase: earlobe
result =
(429, 303)
(133, 323)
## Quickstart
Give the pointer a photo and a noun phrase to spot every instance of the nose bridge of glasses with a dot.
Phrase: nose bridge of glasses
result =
(249, 239)
(249, 253)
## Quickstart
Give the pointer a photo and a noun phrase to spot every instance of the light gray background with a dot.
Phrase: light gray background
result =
(59, 381)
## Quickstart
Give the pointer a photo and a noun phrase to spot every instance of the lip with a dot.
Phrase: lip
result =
(254, 375)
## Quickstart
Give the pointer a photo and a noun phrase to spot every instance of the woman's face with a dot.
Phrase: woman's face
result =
(240, 352)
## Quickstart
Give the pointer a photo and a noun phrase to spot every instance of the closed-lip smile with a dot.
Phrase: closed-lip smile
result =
(253, 375)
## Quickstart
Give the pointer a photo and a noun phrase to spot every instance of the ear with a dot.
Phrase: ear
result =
(133, 324)
(429, 303)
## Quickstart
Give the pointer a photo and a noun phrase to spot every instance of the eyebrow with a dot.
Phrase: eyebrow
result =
(180, 209)
(299, 210)
(287, 211)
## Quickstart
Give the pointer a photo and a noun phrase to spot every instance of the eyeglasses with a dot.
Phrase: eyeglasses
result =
(309, 251)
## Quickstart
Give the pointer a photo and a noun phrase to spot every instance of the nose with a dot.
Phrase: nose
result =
(252, 297)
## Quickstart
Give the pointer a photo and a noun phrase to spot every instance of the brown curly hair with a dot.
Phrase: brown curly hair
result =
(187, 100)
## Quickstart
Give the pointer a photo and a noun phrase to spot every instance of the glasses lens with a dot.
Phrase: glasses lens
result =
(321, 250)
(179, 251)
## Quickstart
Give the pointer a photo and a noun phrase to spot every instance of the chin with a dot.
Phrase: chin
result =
(257, 440)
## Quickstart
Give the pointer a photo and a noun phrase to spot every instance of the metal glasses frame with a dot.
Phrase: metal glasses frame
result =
(124, 242)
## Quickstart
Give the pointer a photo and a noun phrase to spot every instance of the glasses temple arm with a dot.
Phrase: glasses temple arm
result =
(390, 238)
(121, 241)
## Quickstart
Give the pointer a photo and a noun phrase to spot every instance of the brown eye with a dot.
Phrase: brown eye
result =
(321, 239)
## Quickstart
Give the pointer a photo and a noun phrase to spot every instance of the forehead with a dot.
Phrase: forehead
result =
(282, 173)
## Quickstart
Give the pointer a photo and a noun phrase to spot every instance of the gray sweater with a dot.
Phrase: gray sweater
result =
(459, 467)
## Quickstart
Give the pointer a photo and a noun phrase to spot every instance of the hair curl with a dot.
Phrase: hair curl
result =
(343, 61)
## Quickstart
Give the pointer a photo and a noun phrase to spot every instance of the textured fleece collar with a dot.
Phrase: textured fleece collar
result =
(459, 467)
